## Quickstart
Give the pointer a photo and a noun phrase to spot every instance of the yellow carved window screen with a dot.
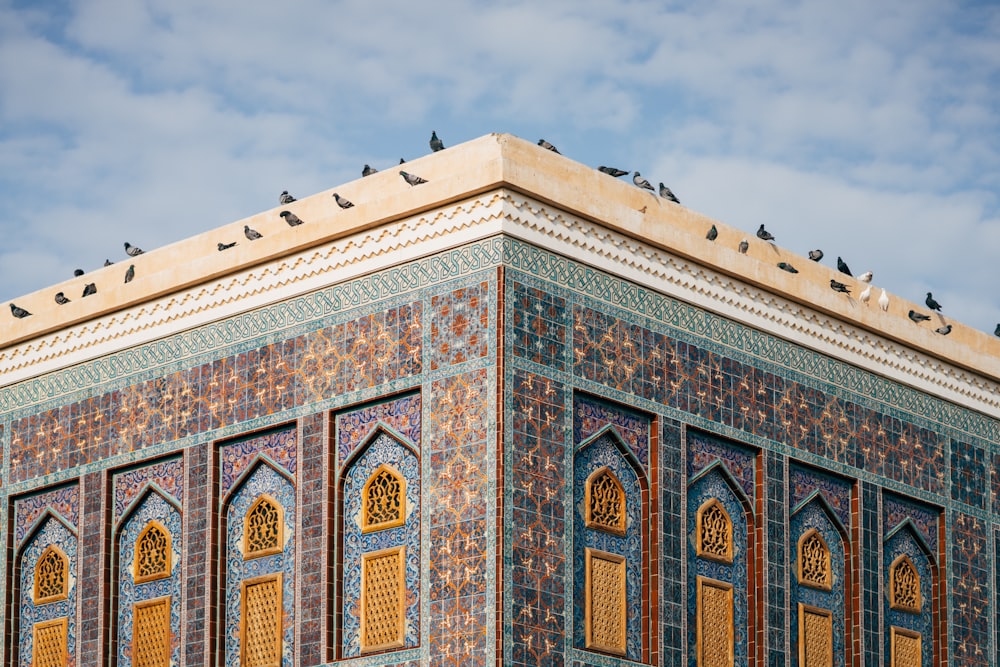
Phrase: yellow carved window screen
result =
(605, 617)
(48, 647)
(904, 585)
(814, 561)
(151, 633)
(152, 553)
(263, 528)
(815, 637)
(605, 502)
(714, 532)
(383, 599)
(260, 622)
(51, 576)
(905, 647)
(383, 500)
(715, 646)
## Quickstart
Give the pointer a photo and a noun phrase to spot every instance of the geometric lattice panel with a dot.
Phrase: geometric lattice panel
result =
(151, 633)
(263, 528)
(605, 602)
(383, 501)
(383, 599)
(815, 637)
(51, 581)
(49, 645)
(906, 650)
(260, 636)
(605, 502)
(715, 624)
(152, 553)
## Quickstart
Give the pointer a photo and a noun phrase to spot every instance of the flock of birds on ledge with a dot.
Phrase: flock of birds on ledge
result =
(437, 145)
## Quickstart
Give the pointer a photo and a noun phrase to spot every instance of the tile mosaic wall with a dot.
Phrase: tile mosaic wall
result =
(904, 542)
(972, 604)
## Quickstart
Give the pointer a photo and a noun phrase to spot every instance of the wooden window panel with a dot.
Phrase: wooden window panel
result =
(263, 528)
(151, 633)
(261, 621)
(48, 646)
(906, 648)
(815, 637)
(383, 599)
(606, 611)
(715, 635)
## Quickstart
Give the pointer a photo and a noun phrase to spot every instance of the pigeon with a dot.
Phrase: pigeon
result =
(77, 273)
(368, 171)
(944, 331)
(402, 160)
(816, 255)
(89, 288)
(131, 250)
(996, 332)
(611, 171)
(130, 274)
(292, 219)
(341, 202)
(19, 313)
(764, 234)
(839, 287)
(251, 234)
(666, 193)
(436, 144)
(843, 268)
(412, 179)
(61, 298)
(641, 182)
(547, 146)
(285, 198)
(744, 246)
(785, 266)
(713, 234)
(866, 295)
(883, 301)
(108, 262)
(226, 246)
(918, 317)
(866, 277)
(931, 303)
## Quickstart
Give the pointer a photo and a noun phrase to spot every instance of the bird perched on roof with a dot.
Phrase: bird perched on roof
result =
(436, 144)
(412, 179)
(108, 262)
(368, 171)
(839, 287)
(18, 312)
(292, 219)
(996, 332)
(641, 182)
(285, 198)
(944, 331)
(611, 171)
(61, 298)
(77, 273)
(866, 277)
(130, 274)
(931, 303)
(130, 250)
(764, 234)
(865, 295)
(226, 246)
(743, 247)
(918, 317)
(785, 266)
(816, 255)
(341, 202)
(843, 268)
(883, 301)
(666, 193)
(89, 288)
(402, 160)
(547, 146)
(712, 234)
(251, 234)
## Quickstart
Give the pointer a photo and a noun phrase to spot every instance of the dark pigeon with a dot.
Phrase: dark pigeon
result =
(931, 303)
(743, 247)
(839, 287)
(436, 144)
(547, 146)
(292, 219)
(918, 317)
(412, 179)
(77, 273)
(402, 160)
(785, 266)
(89, 288)
(285, 198)
(816, 255)
(131, 250)
(641, 182)
(19, 313)
(667, 193)
(843, 268)
(713, 234)
(763, 234)
(130, 274)
(226, 246)
(944, 331)
(996, 332)
(611, 171)
(368, 171)
(341, 202)
(61, 298)
(252, 234)
(108, 262)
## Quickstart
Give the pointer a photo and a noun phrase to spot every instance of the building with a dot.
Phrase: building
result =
(521, 414)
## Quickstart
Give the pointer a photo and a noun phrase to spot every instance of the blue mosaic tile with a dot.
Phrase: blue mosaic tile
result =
(50, 531)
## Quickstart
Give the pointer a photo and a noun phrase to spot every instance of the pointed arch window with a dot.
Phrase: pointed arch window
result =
(814, 561)
(904, 586)
(714, 531)
(263, 528)
(604, 501)
(152, 553)
(383, 500)
(51, 576)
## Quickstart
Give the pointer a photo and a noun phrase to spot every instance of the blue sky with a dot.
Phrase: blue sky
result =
(870, 130)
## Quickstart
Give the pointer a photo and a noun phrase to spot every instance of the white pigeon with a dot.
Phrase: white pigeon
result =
(883, 301)
(866, 295)
(865, 277)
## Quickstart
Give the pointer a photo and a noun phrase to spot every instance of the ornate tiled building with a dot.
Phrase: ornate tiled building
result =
(521, 414)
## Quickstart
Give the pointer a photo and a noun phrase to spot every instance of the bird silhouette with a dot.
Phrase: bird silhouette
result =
(743, 247)
(77, 273)
(412, 179)
(130, 250)
(641, 182)
(130, 274)
(931, 303)
(816, 255)
(108, 262)
(918, 317)
(285, 198)
(89, 288)
(839, 287)
(292, 219)
(547, 146)
(368, 171)
(667, 193)
(61, 298)
(611, 171)
(712, 234)
(341, 202)
(436, 144)
(226, 246)
(764, 234)
(843, 268)
(785, 266)
(18, 312)
(944, 331)
(996, 332)
(251, 234)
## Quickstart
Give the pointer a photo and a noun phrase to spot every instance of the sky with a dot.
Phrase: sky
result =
(870, 130)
